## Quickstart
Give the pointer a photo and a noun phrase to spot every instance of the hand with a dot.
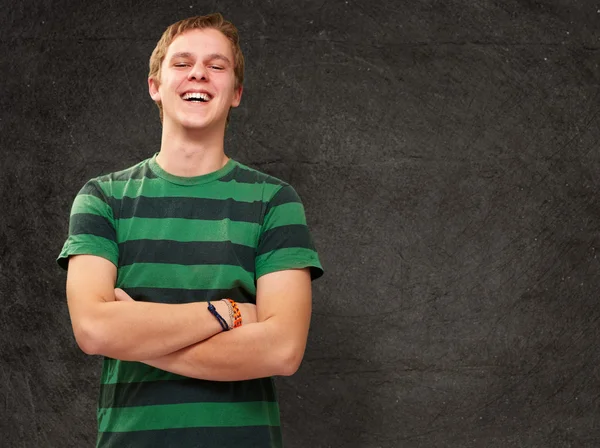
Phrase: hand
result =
(248, 311)
(122, 296)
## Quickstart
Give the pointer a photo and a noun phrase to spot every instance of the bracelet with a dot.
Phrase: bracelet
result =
(230, 308)
(219, 318)
(237, 315)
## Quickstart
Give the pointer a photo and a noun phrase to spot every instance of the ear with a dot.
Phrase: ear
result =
(153, 89)
(237, 96)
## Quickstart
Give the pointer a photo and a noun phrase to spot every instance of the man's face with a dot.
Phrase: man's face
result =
(197, 81)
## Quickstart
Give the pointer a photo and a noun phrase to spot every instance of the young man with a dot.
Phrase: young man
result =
(153, 250)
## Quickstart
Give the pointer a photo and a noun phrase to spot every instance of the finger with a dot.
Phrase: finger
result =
(121, 295)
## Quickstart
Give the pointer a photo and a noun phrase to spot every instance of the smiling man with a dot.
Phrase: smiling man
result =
(190, 272)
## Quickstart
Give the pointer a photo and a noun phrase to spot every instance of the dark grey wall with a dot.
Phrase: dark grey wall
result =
(447, 154)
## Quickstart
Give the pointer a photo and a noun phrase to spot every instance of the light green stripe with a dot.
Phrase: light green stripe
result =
(188, 415)
(86, 203)
(286, 214)
(184, 230)
(159, 275)
(215, 190)
(85, 244)
(289, 258)
(117, 371)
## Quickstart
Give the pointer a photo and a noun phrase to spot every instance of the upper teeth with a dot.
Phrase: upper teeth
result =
(198, 95)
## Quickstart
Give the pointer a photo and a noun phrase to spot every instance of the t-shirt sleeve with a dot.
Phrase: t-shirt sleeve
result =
(285, 241)
(91, 227)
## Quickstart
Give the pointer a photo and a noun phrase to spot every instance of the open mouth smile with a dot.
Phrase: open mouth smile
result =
(196, 97)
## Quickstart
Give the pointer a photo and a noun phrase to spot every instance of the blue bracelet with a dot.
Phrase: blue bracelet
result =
(219, 318)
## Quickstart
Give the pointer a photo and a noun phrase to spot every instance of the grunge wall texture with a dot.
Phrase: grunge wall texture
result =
(447, 155)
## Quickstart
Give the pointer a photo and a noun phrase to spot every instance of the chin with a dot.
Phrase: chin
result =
(199, 123)
(195, 123)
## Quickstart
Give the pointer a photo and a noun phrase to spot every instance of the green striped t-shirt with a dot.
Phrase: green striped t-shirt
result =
(180, 240)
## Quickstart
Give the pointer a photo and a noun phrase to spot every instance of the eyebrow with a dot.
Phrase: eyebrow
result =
(212, 56)
(182, 54)
(219, 56)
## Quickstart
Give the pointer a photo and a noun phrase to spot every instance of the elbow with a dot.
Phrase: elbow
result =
(88, 338)
(289, 360)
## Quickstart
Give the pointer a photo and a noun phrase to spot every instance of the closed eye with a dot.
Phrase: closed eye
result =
(215, 67)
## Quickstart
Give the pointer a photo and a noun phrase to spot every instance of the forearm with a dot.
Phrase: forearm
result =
(252, 351)
(134, 331)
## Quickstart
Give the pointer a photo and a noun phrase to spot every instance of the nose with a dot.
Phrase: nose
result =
(198, 73)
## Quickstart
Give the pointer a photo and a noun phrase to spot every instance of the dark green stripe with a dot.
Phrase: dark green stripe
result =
(284, 196)
(247, 175)
(187, 208)
(176, 295)
(188, 415)
(88, 224)
(187, 253)
(229, 437)
(189, 390)
(93, 189)
(285, 237)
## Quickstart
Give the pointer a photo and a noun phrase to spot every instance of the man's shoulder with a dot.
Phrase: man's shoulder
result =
(244, 174)
(103, 186)
(140, 170)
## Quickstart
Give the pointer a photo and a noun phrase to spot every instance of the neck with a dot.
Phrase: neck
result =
(189, 153)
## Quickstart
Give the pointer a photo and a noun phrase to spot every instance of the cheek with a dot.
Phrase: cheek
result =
(172, 82)
(227, 87)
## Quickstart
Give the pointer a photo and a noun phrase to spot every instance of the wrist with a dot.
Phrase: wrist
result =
(222, 317)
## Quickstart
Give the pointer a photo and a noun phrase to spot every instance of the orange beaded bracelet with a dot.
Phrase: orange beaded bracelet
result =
(237, 315)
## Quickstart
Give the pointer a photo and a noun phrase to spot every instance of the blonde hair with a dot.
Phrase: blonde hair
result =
(210, 21)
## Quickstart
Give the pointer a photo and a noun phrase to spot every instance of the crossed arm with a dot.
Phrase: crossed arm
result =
(186, 339)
